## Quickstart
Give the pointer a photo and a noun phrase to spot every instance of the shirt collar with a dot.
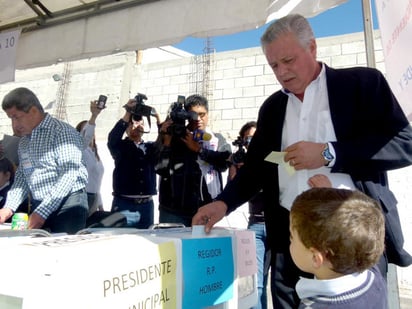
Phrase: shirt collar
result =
(313, 287)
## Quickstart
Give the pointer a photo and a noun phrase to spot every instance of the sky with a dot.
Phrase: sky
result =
(343, 19)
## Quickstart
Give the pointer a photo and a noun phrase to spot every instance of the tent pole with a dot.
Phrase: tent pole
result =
(368, 33)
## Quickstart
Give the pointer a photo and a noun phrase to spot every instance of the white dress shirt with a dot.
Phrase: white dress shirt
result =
(309, 120)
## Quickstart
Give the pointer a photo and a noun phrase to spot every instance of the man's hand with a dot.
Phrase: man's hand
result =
(35, 221)
(305, 155)
(190, 142)
(209, 214)
(5, 213)
(129, 106)
(166, 137)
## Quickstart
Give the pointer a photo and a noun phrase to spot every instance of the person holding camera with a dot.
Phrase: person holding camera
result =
(191, 161)
(134, 176)
(256, 221)
(94, 165)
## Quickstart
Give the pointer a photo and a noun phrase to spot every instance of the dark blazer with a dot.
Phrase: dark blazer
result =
(373, 136)
(134, 172)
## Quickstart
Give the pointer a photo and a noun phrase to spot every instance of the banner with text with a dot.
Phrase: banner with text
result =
(396, 31)
(8, 48)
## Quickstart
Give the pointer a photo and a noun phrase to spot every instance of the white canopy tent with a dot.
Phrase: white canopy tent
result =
(65, 30)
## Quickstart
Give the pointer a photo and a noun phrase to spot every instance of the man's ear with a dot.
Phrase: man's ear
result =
(317, 258)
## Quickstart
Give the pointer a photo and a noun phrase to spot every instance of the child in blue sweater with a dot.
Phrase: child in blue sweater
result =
(338, 235)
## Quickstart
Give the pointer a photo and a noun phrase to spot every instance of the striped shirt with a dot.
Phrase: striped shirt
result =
(50, 168)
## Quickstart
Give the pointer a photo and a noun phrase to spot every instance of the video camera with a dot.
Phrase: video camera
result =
(179, 116)
(141, 109)
(239, 156)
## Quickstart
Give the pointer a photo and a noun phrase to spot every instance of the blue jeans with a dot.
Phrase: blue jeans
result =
(140, 216)
(70, 217)
(263, 262)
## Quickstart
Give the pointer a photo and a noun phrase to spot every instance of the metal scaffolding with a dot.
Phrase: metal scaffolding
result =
(201, 71)
(60, 110)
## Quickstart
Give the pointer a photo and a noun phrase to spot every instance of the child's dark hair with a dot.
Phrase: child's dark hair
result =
(7, 166)
(347, 226)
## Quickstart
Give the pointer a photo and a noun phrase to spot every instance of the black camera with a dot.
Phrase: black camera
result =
(179, 117)
(141, 109)
(239, 156)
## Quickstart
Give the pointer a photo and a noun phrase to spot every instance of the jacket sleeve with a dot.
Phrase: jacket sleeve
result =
(163, 158)
(256, 172)
(373, 134)
(219, 159)
(115, 138)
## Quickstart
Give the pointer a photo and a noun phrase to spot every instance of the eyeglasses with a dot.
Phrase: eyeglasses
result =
(201, 115)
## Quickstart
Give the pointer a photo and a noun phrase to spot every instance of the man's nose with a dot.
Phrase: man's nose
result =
(281, 70)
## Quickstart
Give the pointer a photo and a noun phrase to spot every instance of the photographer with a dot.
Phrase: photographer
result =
(191, 161)
(134, 177)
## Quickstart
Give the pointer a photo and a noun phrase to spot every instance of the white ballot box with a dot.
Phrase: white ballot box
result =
(141, 269)
(90, 271)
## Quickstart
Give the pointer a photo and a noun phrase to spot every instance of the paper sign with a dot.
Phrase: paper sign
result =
(277, 157)
(246, 253)
(8, 48)
(208, 271)
(395, 26)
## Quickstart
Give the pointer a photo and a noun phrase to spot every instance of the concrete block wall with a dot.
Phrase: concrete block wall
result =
(240, 81)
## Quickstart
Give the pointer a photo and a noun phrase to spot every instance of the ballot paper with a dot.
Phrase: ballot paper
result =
(278, 158)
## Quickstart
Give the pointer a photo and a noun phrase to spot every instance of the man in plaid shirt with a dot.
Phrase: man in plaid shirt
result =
(51, 170)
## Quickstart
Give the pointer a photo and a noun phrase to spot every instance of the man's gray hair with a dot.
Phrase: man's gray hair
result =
(22, 99)
(294, 23)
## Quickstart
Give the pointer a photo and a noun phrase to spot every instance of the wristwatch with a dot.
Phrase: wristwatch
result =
(326, 154)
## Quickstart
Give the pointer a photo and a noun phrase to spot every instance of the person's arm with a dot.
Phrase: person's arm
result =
(88, 129)
(116, 134)
(157, 116)
(373, 133)
(163, 143)
(219, 158)
(95, 111)
(68, 168)
(15, 196)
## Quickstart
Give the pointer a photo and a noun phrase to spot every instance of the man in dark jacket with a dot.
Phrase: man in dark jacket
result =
(191, 161)
(345, 124)
(134, 176)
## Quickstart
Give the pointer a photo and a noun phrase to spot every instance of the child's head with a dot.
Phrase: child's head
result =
(340, 228)
(6, 171)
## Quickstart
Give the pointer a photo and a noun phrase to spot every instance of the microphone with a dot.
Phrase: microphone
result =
(199, 135)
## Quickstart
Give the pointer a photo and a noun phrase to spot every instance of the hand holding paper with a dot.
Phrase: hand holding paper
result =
(278, 158)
